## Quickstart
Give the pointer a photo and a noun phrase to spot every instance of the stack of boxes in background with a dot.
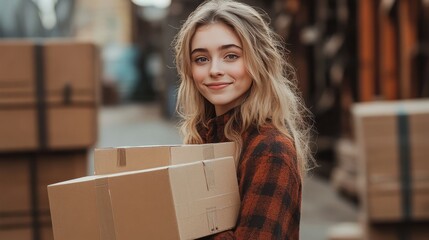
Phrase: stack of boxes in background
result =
(48, 109)
(149, 192)
(345, 173)
(393, 149)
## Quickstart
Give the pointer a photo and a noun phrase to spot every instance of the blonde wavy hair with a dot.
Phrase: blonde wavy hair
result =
(273, 95)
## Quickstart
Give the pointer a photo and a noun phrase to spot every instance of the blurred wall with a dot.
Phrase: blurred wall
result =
(35, 18)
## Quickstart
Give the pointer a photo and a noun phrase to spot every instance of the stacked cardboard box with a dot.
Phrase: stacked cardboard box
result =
(345, 174)
(48, 109)
(48, 95)
(345, 231)
(393, 149)
(151, 192)
(23, 180)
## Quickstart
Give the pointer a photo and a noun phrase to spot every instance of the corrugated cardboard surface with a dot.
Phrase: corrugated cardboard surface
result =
(121, 159)
(174, 202)
(49, 97)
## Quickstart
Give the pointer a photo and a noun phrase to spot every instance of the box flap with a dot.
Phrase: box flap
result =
(142, 204)
(73, 209)
(76, 180)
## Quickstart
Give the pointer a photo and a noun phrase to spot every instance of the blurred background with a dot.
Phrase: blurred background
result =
(76, 75)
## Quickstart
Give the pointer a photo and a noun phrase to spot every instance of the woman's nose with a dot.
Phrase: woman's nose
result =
(216, 68)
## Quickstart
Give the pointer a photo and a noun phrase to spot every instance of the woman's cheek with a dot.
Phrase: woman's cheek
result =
(197, 81)
(198, 75)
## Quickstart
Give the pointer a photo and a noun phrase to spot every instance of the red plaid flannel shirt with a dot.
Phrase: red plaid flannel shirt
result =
(269, 183)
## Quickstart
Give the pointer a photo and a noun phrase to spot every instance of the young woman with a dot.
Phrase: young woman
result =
(236, 86)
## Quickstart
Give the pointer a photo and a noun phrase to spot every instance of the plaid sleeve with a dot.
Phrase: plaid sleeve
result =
(270, 187)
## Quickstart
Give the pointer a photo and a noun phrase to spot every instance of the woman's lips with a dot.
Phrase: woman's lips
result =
(217, 86)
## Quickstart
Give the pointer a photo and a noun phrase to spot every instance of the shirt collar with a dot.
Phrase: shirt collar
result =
(221, 120)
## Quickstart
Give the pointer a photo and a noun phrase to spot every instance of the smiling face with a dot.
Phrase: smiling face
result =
(218, 67)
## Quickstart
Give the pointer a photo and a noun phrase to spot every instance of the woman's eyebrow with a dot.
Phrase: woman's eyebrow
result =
(223, 47)
(204, 50)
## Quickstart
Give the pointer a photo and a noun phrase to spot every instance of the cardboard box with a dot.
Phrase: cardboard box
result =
(24, 178)
(392, 146)
(121, 159)
(48, 95)
(185, 201)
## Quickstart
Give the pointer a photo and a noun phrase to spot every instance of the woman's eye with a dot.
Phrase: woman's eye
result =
(201, 59)
(231, 56)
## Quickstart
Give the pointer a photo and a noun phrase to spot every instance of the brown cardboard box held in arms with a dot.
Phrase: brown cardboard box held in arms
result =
(173, 193)
(184, 201)
(48, 95)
